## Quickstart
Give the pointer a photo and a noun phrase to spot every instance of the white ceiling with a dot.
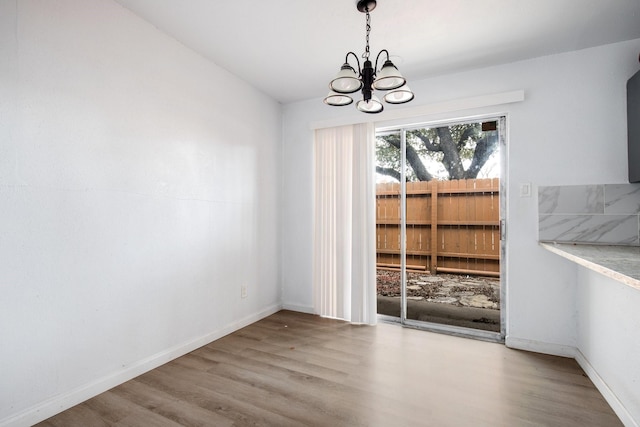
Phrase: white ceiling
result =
(290, 49)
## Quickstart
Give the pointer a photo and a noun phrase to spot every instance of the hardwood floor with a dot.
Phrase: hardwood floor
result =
(294, 369)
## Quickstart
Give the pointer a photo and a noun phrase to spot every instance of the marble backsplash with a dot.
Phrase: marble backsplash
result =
(597, 214)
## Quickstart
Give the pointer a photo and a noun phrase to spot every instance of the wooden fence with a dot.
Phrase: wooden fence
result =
(452, 226)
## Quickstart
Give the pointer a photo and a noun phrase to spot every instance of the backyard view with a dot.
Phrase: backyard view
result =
(452, 212)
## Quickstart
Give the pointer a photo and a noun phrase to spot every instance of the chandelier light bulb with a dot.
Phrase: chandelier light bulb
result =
(388, 77)
(399, 96)
(337, 99)
(346, 80)
(371, 106)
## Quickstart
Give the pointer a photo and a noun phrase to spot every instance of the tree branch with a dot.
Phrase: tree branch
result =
(389, 172)
(470, 132)
(427, 142)
(485, 147)
(413, 158)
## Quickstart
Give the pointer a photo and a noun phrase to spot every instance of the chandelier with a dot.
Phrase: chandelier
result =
(368, 78)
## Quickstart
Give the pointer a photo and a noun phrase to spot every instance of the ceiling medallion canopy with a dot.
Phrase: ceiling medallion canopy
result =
(368, 78)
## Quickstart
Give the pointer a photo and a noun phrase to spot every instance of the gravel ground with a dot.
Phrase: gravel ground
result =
(446, 288)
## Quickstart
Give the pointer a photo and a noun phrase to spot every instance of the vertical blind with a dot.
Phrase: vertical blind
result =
(344, 259)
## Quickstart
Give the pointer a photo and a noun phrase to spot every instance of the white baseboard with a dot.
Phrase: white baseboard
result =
(300, 308)
(78, 395)
(606, 392)
(540, 347)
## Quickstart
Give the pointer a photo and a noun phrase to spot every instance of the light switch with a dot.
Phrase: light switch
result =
(525, 189)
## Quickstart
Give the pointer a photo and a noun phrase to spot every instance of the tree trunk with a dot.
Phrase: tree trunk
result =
(451, 160)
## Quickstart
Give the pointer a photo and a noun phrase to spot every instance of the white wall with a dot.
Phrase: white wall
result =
(136, 196)
(570, 129)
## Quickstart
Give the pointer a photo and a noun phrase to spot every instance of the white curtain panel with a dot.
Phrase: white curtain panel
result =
(344, 258)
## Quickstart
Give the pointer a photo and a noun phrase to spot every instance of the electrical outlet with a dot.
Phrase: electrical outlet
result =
(243, 291)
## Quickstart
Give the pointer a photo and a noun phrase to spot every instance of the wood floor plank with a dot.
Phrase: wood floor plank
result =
(210, 394)
(268, 394)
(168, 406)
(310, 388)
(79, 415)
(313, 395)
(294, 369)
(110, 407)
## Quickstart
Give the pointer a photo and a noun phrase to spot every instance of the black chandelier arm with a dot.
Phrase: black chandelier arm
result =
(346, 61)
(378, 57)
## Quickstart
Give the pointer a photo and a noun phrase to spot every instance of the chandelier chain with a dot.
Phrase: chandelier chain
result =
(365, 55)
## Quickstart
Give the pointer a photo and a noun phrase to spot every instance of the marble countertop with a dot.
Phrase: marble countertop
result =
(621, 263)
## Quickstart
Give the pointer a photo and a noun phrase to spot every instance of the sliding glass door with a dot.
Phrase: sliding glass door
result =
(438, 225)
